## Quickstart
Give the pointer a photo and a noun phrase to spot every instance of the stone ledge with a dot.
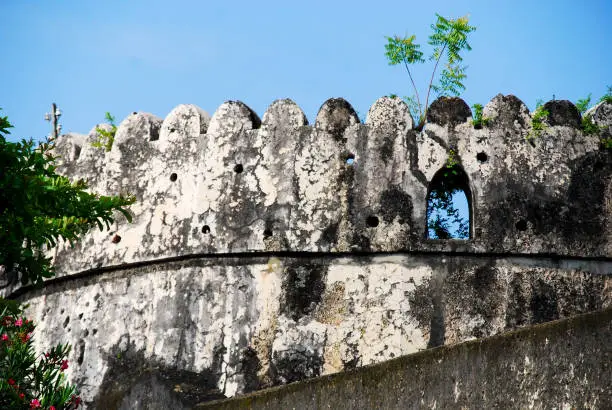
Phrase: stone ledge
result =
(564, 363)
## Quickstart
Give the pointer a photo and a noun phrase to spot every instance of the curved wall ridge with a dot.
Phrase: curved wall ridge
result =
(235, 183)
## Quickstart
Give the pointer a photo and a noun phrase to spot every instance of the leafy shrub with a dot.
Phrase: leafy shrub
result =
(537, 122)
(28, 381)
(106, 138)
(479, 121)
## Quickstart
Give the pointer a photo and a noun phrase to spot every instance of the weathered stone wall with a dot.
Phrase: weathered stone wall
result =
(560, 365)
(258, 255)
(237, 324)
(233, 183)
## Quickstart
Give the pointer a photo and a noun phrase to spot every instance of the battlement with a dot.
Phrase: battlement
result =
(235, 183)
(269, 251)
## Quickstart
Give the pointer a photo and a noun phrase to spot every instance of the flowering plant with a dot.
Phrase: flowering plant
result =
(25, 381)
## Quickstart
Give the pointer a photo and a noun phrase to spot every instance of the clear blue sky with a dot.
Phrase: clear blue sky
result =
(148, 55)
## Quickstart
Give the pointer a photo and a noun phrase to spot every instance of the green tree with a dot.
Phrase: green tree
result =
(38, 207)
(449, 39)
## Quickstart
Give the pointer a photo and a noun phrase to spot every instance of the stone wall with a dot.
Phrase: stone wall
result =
(259, 255)
(560, 365)
(233, 183)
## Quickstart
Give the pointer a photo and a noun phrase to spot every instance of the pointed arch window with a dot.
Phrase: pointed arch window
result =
(449, 200)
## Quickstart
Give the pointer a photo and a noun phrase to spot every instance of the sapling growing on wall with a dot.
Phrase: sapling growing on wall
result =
(537, 122)
(588, 125)
(449, 39)
(106, 138)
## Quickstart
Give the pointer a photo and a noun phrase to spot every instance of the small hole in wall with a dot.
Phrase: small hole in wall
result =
(116, 239)
(521, 225)
(350, 159)
(76, 153)
(482, 157)
(206, 229)
(372, 221)
(267, 233)
(238, 168)
(173, 177)
(134, 113)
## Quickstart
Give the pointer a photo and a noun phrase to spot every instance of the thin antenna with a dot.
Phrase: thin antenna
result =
(53, 116)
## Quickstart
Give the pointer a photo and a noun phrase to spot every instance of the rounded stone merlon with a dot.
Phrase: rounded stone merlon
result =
(601, 114)
(391, 115)
(232, 117)
(335, 116)
(185, 121)
(562, 112)
(506, 111)
(138, 127)
(68, 147)
(284, 113)
(448, 111)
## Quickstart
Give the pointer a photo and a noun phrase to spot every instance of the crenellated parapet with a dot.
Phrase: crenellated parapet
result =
(235, 183)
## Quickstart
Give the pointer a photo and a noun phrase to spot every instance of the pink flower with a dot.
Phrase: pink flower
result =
(11, 381)
(21, 395)
(51, 407)
(18, 322)
(76, 400)
(5, 337)
(25, 337)
(34, 404)
(64, 365)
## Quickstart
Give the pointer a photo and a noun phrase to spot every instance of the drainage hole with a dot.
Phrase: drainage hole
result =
(482, 157)
(372, 221)
(521, 225)
(173, 177)
(238, 168)
(206, 229)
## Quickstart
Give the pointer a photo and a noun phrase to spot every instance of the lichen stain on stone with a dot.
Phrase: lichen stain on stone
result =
(449, 111)
(303, 287)
(131, 378)
(333, 308)
(334, 116)
(395, 203)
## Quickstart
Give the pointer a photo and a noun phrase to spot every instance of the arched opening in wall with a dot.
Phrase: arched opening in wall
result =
(449, 200)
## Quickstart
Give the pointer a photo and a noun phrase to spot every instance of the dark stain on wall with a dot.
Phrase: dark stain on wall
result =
(303, 287)
(294, 367)
(562, 112)
(396, 203)
(250, 365)
(543, 302)
(584, 221)
(449, 111)
(131, 379)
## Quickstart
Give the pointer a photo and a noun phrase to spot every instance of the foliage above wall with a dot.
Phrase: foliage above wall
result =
(449, 39)
(38, 207)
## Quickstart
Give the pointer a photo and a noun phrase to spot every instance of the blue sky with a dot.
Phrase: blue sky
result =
(122, 56)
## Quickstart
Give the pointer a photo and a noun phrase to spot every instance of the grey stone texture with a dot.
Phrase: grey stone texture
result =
(268, 251)
(233, 183)
(560, 365)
